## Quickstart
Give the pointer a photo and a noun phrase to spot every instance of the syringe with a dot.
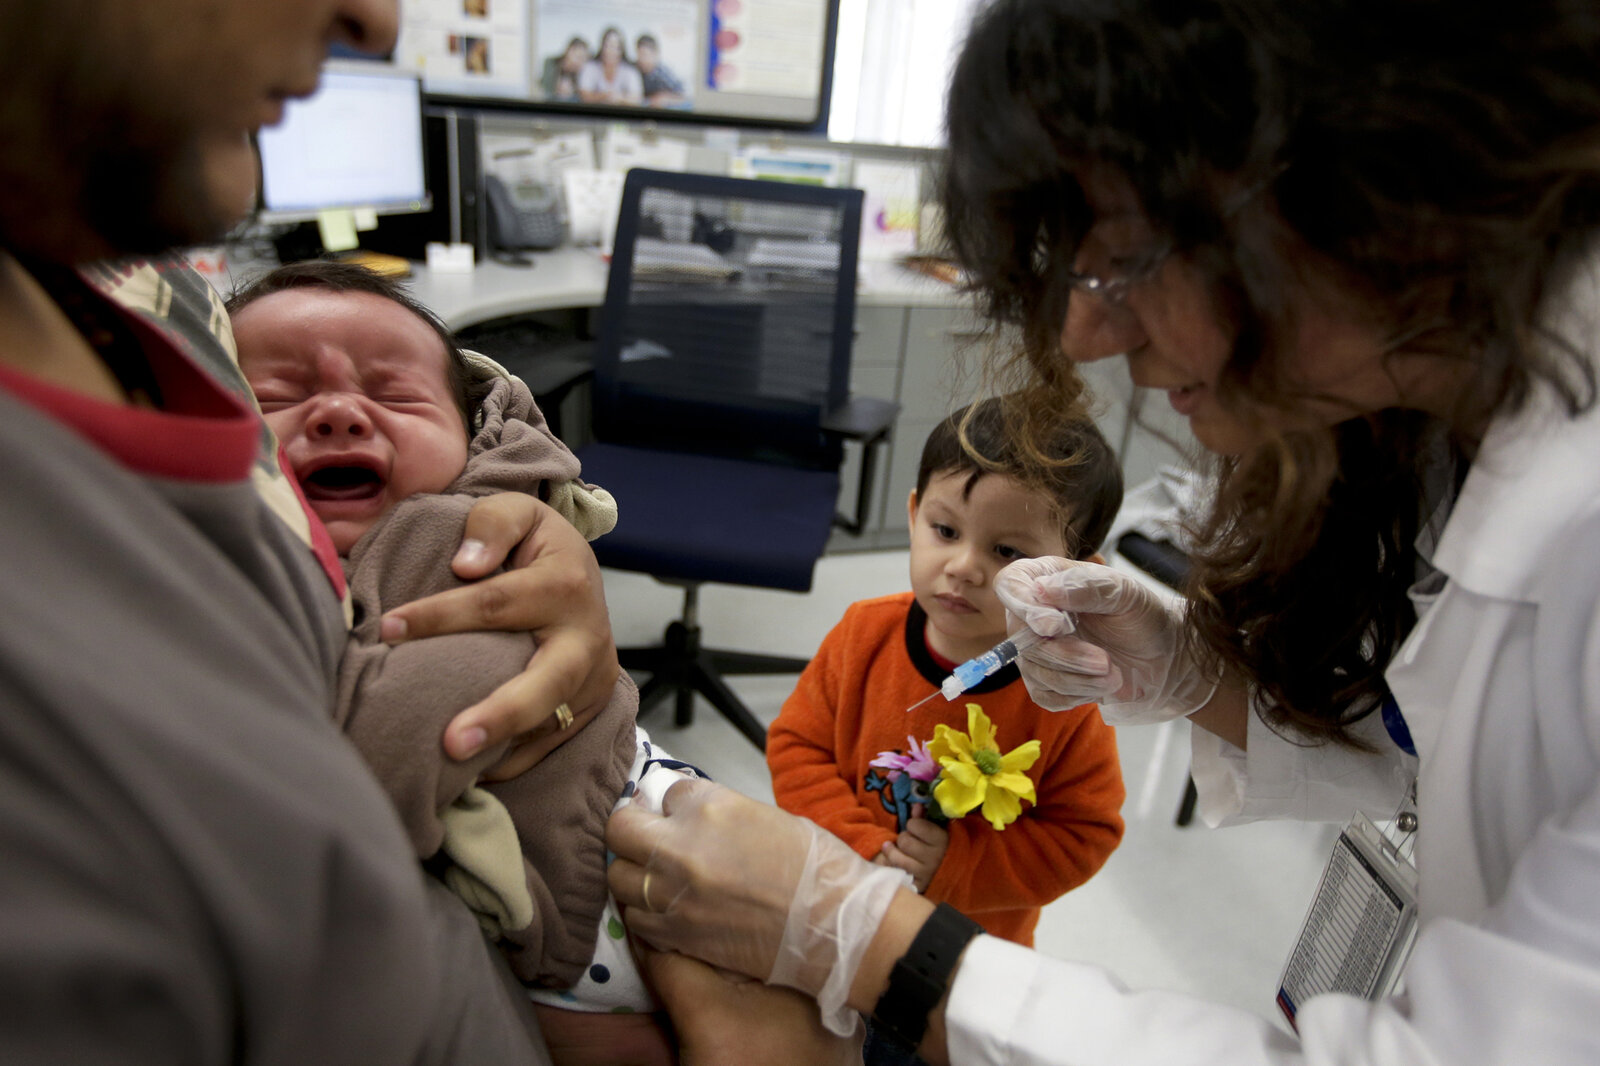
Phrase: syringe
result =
(994, 660)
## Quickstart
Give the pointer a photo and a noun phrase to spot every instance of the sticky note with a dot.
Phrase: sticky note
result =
(337, 228)
(365, 218)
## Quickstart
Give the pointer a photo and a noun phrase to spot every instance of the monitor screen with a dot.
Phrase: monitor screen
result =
(759, 62)
(357, 142)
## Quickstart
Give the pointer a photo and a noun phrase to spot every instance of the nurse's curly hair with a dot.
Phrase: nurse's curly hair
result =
(1441, 160)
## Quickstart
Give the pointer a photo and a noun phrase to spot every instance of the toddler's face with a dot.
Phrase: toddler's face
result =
(959, 543)
(355, 387)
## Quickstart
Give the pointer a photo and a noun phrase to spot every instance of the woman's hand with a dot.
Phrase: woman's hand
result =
(554, 591)
(722, 869)
(726, 1020)
(751, 889)
(1117, 641)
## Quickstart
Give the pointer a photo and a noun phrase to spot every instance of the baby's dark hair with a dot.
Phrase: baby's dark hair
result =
(335, 276)
(1076, 469)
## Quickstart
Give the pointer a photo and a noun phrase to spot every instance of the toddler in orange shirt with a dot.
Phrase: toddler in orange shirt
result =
(845, 752)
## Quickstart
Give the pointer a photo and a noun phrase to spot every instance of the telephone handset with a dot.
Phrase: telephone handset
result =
(529, 217)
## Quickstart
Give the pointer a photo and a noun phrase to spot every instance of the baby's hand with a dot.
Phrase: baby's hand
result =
(918, 850)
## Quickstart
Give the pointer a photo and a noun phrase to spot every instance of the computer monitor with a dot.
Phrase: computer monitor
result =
(746, 62)
(355, 143)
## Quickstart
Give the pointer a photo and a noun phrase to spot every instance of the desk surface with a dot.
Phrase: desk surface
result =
(576, 277)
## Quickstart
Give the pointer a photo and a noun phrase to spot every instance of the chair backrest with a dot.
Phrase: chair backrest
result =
(728, 317)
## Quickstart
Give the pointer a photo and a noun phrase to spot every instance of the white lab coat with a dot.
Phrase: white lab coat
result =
(1500, 685)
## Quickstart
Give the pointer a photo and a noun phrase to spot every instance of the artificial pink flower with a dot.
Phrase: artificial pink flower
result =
(917, 762)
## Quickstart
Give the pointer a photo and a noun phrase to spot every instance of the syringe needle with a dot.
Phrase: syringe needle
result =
(919, 703)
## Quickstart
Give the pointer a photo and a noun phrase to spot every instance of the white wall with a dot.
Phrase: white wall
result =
(891, 66)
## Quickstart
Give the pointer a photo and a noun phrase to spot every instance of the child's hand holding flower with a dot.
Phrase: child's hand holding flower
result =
(918, 850)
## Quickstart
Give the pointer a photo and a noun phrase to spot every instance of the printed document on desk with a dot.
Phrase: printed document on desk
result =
(659, 260)
(794, 264)
(812, 255)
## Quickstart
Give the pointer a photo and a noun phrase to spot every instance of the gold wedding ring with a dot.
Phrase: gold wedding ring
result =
(563, 716)
(646, 893)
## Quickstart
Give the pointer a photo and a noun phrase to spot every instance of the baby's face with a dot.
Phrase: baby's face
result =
(355, 387)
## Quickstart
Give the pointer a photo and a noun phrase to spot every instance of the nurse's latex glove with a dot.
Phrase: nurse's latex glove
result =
(1117, 641)
(751, 889)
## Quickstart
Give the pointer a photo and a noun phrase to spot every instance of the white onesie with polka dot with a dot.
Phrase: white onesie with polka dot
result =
(613, 984)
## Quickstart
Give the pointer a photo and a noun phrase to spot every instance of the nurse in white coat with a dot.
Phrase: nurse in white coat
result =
(1358, 245)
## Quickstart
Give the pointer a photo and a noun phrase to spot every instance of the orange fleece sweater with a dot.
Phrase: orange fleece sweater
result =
(850, 705)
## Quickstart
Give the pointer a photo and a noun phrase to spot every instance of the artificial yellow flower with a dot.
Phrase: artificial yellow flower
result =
(974, 772)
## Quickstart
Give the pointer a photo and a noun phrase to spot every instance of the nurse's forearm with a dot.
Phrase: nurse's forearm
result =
(899, 927)
(1227, 714)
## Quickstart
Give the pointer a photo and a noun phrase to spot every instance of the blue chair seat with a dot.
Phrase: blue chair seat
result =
(670, 524)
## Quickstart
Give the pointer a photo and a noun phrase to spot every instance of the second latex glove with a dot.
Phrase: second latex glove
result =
(751, 889)
(1117, 642)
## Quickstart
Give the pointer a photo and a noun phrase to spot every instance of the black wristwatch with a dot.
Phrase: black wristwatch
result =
(918, 980)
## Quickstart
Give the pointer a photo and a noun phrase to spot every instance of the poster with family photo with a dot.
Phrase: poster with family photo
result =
(632, 53)
(466, 47)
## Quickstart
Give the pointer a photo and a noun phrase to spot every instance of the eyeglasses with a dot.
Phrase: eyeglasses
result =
(1113, 285)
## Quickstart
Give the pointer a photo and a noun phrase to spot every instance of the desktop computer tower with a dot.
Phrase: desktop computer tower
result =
(455, 181)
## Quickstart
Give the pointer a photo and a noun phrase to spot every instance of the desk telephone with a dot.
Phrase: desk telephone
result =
(528, 216)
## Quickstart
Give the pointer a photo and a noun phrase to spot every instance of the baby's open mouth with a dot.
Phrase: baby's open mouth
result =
(342, 483)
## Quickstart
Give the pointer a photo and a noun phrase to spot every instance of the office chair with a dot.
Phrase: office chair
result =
(720, 405)
(549, 359)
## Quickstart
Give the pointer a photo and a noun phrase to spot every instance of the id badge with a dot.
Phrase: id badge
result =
(1361, 923)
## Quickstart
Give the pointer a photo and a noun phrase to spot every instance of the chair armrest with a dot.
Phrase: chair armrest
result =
(550, 371)
(552, 368)
(862, 418)
(867, 420)
(1158, 558)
